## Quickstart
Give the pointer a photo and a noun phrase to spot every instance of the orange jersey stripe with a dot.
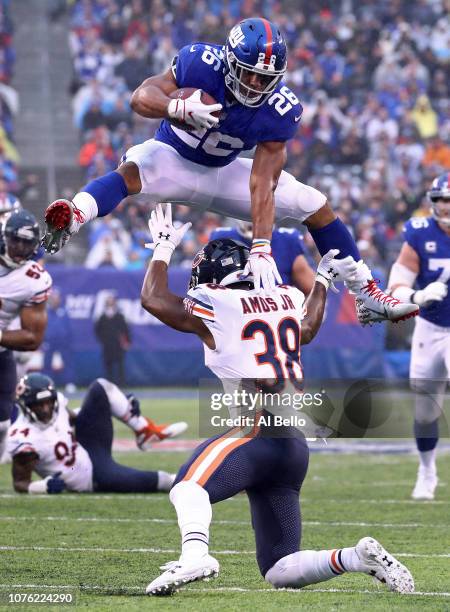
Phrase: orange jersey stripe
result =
(207, 450)
(220, 458)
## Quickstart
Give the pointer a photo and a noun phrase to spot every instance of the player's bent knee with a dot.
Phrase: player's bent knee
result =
(189, 491)
(130, 173)
(321, 217)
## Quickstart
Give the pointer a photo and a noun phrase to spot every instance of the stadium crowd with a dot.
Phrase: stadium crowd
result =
(372, 78)
(9, 156)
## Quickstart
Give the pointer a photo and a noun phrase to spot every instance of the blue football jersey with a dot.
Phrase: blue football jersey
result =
(432, 245)
(240, 128)
(287, 245)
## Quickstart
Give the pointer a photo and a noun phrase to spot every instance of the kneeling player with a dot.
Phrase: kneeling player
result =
(239, 344)
(71, 450)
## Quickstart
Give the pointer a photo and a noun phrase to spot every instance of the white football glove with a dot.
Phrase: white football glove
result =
(331, 270)
(261, 265)
(165, 236)
(193, 112)
(434, 292)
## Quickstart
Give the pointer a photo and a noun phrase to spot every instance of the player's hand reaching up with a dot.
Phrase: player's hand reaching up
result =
(261, 265)
(331, 269)
(165, 236)
(194, 112)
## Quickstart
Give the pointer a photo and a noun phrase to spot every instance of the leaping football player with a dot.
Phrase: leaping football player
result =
(71, 450)
(247, 336)
(421, 274)
(193, 158)
(24, 289)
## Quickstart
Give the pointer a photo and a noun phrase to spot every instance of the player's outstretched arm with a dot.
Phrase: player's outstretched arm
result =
(33, 321)
(156, 296)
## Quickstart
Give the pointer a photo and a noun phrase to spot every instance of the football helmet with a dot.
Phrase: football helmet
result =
(33, 393)
(19, 239)
(439, 196)
(255, 58)
(221, 262)
(8, 204)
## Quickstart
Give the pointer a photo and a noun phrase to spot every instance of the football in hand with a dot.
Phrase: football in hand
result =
(184, 93)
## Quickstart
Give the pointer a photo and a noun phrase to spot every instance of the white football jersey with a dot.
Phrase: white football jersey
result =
(56, 447)
(256, 336)
(30, 284)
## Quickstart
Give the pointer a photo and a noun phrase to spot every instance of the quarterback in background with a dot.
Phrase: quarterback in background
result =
(216, 102)
(421, 275)
(72, 449)
(24, 289)
(249, 338)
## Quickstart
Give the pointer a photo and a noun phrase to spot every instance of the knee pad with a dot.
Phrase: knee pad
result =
(428, 406)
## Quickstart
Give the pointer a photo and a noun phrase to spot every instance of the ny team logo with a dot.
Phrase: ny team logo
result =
(236, 36)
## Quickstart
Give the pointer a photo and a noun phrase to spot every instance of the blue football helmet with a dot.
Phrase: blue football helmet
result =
(255, 60)
(19, 239)
(221, 262)
(439, 196)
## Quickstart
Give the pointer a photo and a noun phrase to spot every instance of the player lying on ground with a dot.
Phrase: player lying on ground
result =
(194, 157)
(72, 450)
(247, 336)
(24, 289)
(421, 275)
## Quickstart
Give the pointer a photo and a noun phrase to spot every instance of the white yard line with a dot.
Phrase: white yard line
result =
(136, 589)
(95, 519)
(98, 549)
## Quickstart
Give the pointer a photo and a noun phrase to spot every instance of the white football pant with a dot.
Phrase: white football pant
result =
(166, 176)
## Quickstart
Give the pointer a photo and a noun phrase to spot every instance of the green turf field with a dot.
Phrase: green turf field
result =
(106, 548)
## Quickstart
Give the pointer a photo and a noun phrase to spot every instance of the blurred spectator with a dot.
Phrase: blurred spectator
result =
(57, 346)
(113, 334)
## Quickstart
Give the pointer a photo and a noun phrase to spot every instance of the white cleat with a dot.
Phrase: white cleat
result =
(426, 484)
(374, 306)
(384, 567)
(178, 573)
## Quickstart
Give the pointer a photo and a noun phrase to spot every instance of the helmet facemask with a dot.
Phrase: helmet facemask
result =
(440, 210)
(240, 78)
(18, 251)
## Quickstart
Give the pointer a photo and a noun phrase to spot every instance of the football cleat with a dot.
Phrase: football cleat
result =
(155, 433)
(374, 306)
(178, 573)
(426, 484)
(62, 219)
(384, 567)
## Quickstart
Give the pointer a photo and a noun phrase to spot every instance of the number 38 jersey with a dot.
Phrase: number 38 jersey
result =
(256, 336)
(25, 286)
(240, 128)
(432, 245)
(56, 448)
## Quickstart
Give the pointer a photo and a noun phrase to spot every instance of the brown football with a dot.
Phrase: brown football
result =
(184, 93)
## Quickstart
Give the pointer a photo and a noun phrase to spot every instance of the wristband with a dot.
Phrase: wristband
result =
(38, 487)
(261, 245)
(1, 335)
(163, 252)
(322, 280)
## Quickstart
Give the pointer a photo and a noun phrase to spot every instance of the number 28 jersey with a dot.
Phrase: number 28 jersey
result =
(240, 128)
(432, 245)
(56, 448)
(256, 337)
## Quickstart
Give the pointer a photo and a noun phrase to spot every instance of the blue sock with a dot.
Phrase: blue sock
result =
(427, 435)
(335, 236)
(108, 191)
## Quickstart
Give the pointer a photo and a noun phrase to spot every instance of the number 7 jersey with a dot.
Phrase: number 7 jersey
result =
(240, 128)
(256, 336)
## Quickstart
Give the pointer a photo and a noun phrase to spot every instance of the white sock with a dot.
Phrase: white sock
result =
(86, 203)
(311, 566)
(194, 513)
(120, 406)
(165, 481)
(363, 276)
(428, 460)
(4, 426)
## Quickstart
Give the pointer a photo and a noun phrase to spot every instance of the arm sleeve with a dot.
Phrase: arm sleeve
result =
(41, 291)
(281, 127)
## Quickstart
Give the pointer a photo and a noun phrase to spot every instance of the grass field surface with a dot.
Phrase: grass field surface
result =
(106, 548)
